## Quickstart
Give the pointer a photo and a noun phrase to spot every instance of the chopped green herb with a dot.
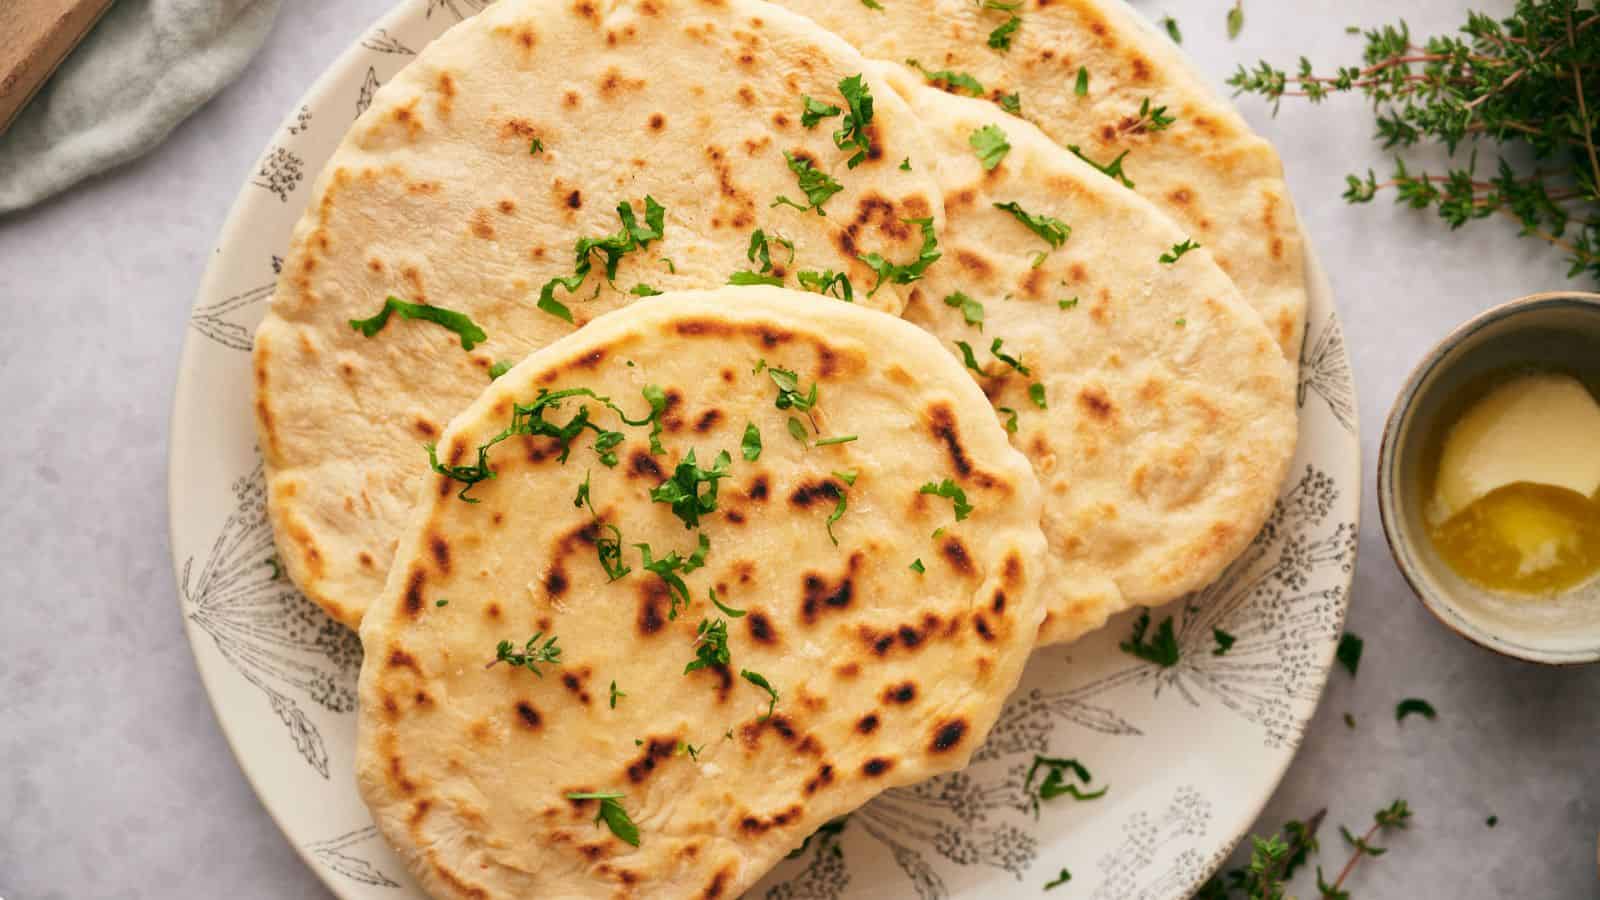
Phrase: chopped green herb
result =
(612, 247)
(814, 111)
(1349, 652)
(710, 646)
(1055, 783)
(1150, 119)
(1036, 394)
(1177, 251)
(1171, 25)
(441, 602)
(1012, 361)
(841, 439)
(760, 681)
(789, 394)
(1000, 38)
(277, 568)
(917, 566)
(616, 694)
(1180, 322)
(612, 813)
(1111, 169)
(949, 489)
(536, 147)
(751, 445)
(1059, 880)
(971, 310)
(1349, 721)
(1162, 650)
(1054, 231)
(1067, 304)
(905, 164)
(759, 248)
(1082, 87)
(872, 4)
(1224, 642)
(970, 360)
(829, 282)
(991, 146)
(530, 657)
(670, 268)
(1011, 103)
(1011, 418)
(797, 430)
(682, 490)
(1235, 19)
(745, 277)
(954, 82)
(1492, 821)
(1412, 705)
(816, 184)
(471, 335)
(607, 547)
(672, 567)
(852, 131)
(727, 610)
(499, 368)
(912, 271)
(644, 290)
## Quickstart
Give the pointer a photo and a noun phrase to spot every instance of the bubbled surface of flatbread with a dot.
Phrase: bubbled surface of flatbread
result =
(1170, 419)
(435, 197)
(886, 676)
(1222, 183)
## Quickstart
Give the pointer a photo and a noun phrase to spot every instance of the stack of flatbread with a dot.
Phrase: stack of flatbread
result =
(703, 408)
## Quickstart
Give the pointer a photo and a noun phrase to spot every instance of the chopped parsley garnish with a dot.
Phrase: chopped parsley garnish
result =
(751, 445)
(1412, 705)
(1111, 169)
(1181, 322)
(797, 430)
(747, 278)
(1012, 361)
(612, 813)
(500, 367)
(971, 310)
(909, 272)
(1056, 784)
(814, 111)
(917, 566)
(1171, 25)
(953, 82)
(710, 646)
(644, 290)
(872, 4)
(853, 128)
(1349, 652)
(671, 569)
(759, 249)
(1000, 38)
(1054, 231)
(607, 547)
(816, 184)
(1161, 650)
(1224, 641)
(1082, 87)
(789, 393)
(1067, 304)
(1036, 394)
(727, 610)
(953, 492)
(1011, 103)
(682, 490)
(441, 602)
(969, 360)
(1011, 418)
(757, 679)
(829, 282)
(616, 695)
(471, 335)
(990, 143)
(536, 147)
(905, 164)
(1059, 880)
(849, 479)
(841, 439)
(612, 247)
(531, 655)
(1177, 251)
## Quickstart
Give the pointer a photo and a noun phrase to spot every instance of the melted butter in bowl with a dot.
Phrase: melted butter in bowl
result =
(1515, 506)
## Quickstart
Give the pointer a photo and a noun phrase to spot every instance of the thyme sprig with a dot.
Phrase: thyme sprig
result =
(1524, 88)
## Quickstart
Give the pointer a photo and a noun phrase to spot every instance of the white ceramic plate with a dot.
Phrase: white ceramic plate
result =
(1191, 752)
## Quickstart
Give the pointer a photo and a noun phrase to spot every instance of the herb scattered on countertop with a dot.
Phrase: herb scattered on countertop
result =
(531, 655)
(1161, 650)
(612, 813)
(1414, 706)
(1396, 815)
(468, 331)
(1349, 652)
(1524, 88)
(1171, 25)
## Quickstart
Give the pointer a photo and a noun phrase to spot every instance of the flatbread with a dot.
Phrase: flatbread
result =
(1170, 418)
(1208, 171)
(885, 675)
(436, 197)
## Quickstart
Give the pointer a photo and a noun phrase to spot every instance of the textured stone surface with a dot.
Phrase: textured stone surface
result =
(116, 782)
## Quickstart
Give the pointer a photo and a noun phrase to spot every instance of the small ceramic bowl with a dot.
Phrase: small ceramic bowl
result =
(1559, 330)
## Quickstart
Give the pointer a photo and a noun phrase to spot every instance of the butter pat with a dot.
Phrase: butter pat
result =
(1540, 429)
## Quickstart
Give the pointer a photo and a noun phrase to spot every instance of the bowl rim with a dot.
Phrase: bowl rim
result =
(1445, 611)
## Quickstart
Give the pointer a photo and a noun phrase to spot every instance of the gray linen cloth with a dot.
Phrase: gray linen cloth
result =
(144, 68)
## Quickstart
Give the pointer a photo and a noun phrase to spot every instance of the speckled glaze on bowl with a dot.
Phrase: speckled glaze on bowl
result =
(1559, 330)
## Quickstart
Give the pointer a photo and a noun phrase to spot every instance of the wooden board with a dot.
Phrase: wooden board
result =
(35, 36)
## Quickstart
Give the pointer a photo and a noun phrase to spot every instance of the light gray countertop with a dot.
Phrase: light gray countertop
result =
(115, 781)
